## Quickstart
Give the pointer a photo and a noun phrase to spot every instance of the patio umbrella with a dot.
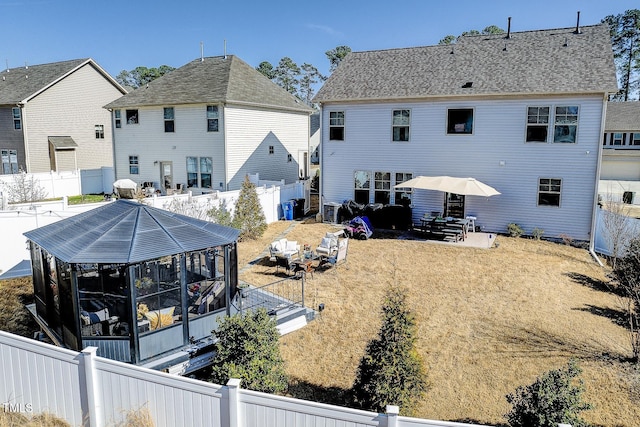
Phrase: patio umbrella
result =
(450, 184)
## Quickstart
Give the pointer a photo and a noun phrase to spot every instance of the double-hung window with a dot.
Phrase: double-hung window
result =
(362, 184)
(617, 138)
(634, 139)
(117, 115)
(199, 171)
(400, 126)
(99, 131)
(537, 124)
(403, 195)
(459, 121)
(566, 124)
(169, 122)
(17, 118)
(549, 190)
(134, 166)
(212, 118)
(9, 161)
(382, 187)
(336, 126)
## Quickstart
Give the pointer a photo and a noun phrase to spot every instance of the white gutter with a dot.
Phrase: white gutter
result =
(594, 208)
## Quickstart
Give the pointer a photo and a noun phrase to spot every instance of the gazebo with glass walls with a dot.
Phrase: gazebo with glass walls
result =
(139, 283)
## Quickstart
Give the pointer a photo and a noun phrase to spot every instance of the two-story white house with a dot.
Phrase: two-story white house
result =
(51, 117)
(620, 172)
(523, 112)
(206, 125)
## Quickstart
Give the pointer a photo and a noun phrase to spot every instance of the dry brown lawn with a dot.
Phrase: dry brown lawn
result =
(488, 321)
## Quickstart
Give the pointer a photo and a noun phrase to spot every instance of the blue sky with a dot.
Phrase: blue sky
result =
(126, 34)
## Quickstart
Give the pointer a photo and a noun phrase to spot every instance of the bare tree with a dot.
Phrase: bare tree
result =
(627, 281)
(616, 226)
(25, 188)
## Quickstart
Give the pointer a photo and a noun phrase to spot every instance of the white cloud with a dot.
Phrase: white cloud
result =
(324, 28)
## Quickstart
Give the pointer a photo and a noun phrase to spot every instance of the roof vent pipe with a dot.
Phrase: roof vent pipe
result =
(509, 27)
(201, 52)
(225, 48)
(578, 24)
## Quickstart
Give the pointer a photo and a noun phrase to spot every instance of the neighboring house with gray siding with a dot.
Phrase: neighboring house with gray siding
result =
(620, 171)
(51, 117)
(522, 112)
(206, 125)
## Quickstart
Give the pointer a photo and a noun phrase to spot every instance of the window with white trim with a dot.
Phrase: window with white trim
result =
(169, 122)
(617, 138)
(199, 172)
(362, 185)
(99, 131)
(400, 126)
(566, 124)
(537, 124)
(212, 118)
(403, 196)
(549, 190)
(382, 187)
(17, 118)
(9, 161)
(134, 166)
(635, 138)
(117, 115)
(336, 126)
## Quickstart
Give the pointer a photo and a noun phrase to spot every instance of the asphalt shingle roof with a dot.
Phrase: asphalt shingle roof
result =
(531, 62)
(18, 84)
(125, 232)
(623, 116)
(212, 80)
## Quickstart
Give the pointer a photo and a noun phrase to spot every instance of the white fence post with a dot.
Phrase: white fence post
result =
(234, 408)
(392, 415)
(92, 412)
(564, 425)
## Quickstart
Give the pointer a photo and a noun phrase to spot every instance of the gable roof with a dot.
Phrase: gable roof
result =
(557, 61)
(125, 232)
(23, 83)
(212, 80)
(623, 116)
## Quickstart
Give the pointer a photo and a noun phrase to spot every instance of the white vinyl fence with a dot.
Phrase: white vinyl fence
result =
(626, 226)
(20, 218)
(87, 390)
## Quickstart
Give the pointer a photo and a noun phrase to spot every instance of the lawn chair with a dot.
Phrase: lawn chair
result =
(329, 244)
(284, 252)
(340, 256)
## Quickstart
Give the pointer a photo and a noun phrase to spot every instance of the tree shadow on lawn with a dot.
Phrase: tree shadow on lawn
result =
(301, 389)
(590, 282)
(537, 343)
(618, 317)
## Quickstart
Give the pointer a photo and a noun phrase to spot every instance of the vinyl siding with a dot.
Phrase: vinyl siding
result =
(10, 138)
(496, 154)
(249, 134)
(71, 107)
(151, 143)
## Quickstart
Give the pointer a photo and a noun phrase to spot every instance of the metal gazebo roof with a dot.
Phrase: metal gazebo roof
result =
(126, 232)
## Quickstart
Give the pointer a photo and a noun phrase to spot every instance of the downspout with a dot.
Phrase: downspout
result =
(594, 211)
(226, 148)
(321, 163)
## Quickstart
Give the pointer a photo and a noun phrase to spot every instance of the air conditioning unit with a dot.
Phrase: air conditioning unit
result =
(330, 212)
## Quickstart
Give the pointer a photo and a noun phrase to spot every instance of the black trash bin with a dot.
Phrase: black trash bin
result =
(298, 208)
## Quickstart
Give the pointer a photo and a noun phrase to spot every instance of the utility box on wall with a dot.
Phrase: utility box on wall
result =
(330, 212)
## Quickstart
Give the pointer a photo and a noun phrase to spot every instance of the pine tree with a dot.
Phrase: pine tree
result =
(247, 348)
(392, 372)
(248, 216)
